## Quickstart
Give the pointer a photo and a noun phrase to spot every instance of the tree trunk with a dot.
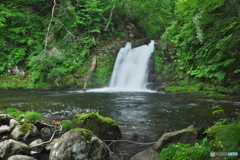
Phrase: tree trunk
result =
(91, 69)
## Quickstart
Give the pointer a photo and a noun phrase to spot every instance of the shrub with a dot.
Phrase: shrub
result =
(66, 126)
(30, 115)
(33, 116)
(182, 151)
(13, 112)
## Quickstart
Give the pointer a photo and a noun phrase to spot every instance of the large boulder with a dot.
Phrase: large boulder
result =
(190, 135)
(79, 144)
(103, 127)
(24, 131)
(11, 147)
(5, 119)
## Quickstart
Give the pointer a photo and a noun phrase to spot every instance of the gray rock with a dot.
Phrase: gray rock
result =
(189, 135)
(11, 147)
(46, 132)
(24, 131)
(21, 157)
(35, 146)
(16, 134)
(79, 144)
(17, 71)
(5, 119)
(13, 123)
(51, 144)
(4, 129)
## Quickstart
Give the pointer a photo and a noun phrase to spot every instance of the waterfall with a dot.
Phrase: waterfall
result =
(130, 69)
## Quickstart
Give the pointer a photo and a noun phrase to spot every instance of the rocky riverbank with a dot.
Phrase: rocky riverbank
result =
(85, 137)
(76, 143)
(23, 138)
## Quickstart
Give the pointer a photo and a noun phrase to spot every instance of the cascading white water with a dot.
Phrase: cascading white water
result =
(130, 69)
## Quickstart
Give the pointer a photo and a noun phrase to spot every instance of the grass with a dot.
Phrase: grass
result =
(19, 115)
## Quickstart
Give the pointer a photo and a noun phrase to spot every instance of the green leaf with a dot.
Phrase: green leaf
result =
(218, 111)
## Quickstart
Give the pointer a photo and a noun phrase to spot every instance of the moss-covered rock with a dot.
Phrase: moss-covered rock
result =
(24, 131)
(25, 128)
(103, 127)
(79, 144)
(188, 135)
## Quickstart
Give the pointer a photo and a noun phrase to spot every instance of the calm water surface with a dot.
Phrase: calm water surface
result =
(142, 116)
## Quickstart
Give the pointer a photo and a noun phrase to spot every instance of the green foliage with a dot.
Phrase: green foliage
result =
(33, 116)
(20, 32)
(205, 34)
(66, 126)
(103, 70)
(182, 89)
(51, 46)
(19, 115)
(220, 138)
(158, 62)
(13, 112)
(152, 16)
(16, 82)
(182, 151)
(225, 137)
(224, 118)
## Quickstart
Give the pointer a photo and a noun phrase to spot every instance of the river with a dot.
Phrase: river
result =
(142, 116)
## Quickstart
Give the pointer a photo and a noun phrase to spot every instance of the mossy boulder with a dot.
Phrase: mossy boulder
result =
(79, 144)
(103, 127)
(188, 135)
(24, 131)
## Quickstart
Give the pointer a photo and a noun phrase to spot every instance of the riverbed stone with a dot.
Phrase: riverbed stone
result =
(36, 147)
(13, 123)
(21, 157)
(24, 131)
(16, 134)
(104, 128)
(5, 119)
(45, 132)
(4, 129)
(49, 146)
(189, 135)
(11, 147)
(79, 144)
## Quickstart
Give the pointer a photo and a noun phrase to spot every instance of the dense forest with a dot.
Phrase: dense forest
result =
(66, 43)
